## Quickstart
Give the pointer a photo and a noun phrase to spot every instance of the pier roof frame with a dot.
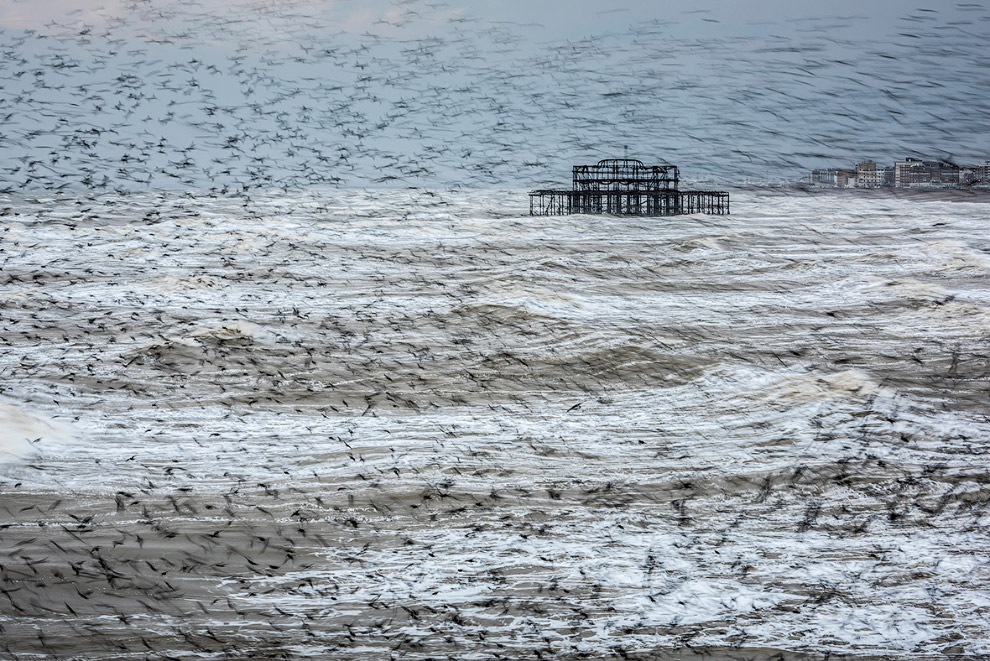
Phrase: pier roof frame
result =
(624, 174)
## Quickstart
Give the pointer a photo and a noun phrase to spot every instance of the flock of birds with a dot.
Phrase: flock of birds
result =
(290, 418)
(276, 96)
(393, 424)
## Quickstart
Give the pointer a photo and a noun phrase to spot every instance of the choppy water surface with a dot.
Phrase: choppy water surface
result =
(365, 424)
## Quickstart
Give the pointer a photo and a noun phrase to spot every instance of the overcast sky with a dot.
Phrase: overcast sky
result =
(567, 18)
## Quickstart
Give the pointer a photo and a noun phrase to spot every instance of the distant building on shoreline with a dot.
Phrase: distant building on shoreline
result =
(909, 173)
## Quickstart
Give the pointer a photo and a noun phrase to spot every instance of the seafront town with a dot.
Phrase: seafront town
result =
(909, 173)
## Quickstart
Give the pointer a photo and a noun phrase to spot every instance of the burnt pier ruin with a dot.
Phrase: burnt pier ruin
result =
(626, 187)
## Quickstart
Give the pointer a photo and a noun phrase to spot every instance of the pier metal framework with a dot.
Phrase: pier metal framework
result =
(624, 186)
(627, 203)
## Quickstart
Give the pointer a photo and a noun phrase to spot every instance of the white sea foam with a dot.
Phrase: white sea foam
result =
(24, 434)
(463, 430)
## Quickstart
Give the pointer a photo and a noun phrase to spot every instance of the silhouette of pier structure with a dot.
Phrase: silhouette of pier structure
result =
(626, 187)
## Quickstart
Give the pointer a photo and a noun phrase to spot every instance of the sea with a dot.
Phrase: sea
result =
(422, 424)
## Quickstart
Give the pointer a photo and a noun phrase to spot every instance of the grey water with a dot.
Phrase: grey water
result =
(413, 424)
